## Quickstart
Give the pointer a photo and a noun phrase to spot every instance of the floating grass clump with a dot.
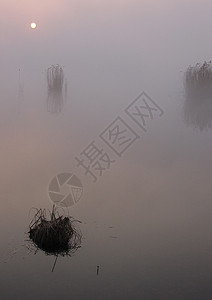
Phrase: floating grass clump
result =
(55, 82)
(198, 95)
(57, 235)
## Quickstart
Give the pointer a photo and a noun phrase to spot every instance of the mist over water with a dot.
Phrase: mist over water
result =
(146, 222)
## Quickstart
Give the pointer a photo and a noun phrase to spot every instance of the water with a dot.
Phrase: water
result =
(146, 222)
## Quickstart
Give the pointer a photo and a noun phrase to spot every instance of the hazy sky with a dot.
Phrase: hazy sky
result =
(111, 51)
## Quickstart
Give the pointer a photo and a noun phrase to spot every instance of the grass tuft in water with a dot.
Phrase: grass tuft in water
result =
(57, 235)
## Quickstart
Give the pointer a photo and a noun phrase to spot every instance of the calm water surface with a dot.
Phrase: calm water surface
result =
(147, 220)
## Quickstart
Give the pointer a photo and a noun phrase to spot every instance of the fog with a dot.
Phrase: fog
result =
(146, 221)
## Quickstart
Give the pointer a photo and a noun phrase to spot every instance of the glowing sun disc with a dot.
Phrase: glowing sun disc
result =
(33, 25)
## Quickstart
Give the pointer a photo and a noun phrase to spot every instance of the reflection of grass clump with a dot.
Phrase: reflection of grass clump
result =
(57, 236)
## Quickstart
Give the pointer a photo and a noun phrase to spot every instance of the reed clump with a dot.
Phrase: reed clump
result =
(57, 235)
(55, 83)
(198, 96)
(198, 80)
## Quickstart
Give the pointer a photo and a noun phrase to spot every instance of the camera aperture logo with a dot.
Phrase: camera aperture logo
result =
(65, 189)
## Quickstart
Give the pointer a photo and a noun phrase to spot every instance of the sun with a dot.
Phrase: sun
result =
(33, 25)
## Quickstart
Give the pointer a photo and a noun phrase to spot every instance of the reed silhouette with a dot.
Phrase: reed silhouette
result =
(20, 87)
(55, 83)
(198, 96)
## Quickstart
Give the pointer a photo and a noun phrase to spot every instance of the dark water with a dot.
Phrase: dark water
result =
(146, 222)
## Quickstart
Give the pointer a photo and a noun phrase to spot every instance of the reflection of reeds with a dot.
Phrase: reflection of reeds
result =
(198, 95)
(57, 236)
(55, 80)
